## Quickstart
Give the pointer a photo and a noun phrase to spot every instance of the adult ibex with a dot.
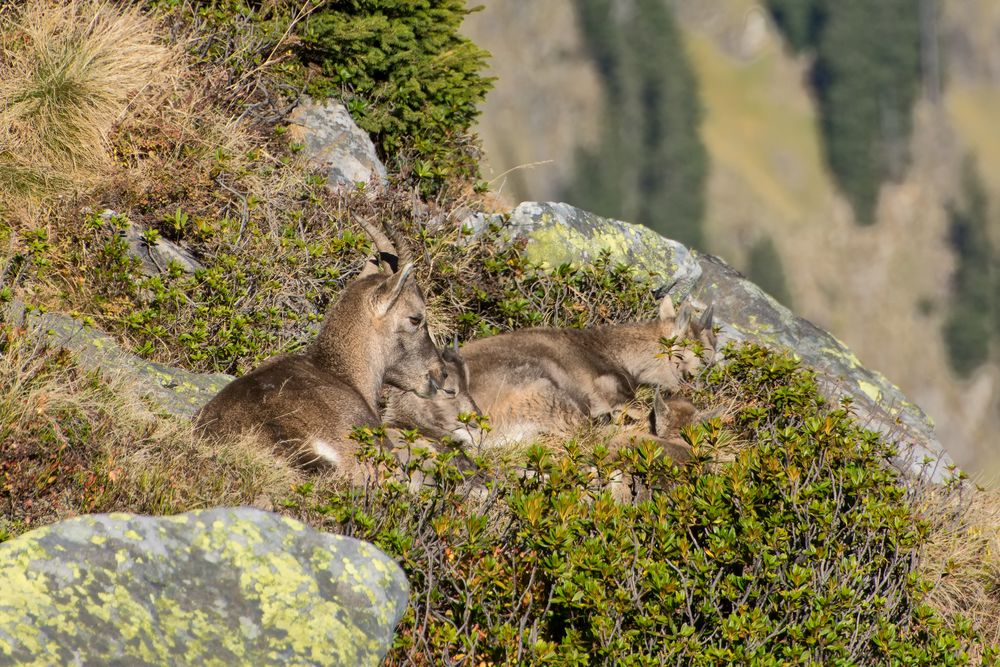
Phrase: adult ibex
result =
(306, 404)
(541, 381)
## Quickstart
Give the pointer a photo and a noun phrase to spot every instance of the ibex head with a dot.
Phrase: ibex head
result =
(694, 346)
(379, 327)
(400, 324)
(700, 349)
(438, 416)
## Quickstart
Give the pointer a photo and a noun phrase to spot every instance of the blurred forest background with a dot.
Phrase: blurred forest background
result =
(841, 153)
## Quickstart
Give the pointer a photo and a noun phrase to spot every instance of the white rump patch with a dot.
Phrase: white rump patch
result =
(325, 451)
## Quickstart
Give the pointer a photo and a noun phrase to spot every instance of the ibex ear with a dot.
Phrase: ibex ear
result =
(465, 372)
(683, 321)
(705, 324)
(667, 309)
(390, 290)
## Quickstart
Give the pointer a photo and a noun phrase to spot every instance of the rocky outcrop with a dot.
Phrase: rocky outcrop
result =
(222, 586)
(172, 390)
(335, 145)
(557, 233)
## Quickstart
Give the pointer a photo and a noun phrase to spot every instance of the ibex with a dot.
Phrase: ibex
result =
(437, 417)
(554, 381)
(306, 404)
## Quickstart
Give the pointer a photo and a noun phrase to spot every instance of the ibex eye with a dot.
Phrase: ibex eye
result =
(416, 320)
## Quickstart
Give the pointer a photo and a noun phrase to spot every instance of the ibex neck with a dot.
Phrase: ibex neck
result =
(631, 347)
(344, 349)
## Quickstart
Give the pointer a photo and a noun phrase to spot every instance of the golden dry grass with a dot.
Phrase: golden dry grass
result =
(73, 441)
(70, 72)
(962, 556)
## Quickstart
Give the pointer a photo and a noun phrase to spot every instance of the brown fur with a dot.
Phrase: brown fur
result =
(305, 405)
(554, 381)
(438, 417)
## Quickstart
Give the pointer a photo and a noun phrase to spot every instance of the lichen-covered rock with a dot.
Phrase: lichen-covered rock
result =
(558, 233)
(338, 147)
(216, 587)
(173, 390)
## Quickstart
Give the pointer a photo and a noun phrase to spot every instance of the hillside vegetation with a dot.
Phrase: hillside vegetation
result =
(789, 539)
(769, 181)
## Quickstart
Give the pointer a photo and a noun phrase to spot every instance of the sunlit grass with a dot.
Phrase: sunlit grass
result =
(69, 72)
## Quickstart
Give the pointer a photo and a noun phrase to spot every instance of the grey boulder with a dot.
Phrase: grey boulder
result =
(215, 587)
(335, 144)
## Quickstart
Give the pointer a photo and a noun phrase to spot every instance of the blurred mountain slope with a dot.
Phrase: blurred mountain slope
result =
(883, 289)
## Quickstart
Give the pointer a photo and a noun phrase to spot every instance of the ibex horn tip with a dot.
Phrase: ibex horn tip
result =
(708, 316)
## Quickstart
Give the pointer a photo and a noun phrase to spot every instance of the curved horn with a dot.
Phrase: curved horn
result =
(387, 252)
(454, 343)
(707, 317)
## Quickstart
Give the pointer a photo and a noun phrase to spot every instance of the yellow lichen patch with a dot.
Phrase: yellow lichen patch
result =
(558, 243)
(843, 353)
(870, 390)
(297, 526)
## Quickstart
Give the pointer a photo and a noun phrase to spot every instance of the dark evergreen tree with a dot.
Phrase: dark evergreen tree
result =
(866, 76)
(799, 20)
(650, 166)
(764, 268)
(972, 320)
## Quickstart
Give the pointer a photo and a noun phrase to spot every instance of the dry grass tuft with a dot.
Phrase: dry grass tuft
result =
(69, 73)
(962, 556)
(73, 442)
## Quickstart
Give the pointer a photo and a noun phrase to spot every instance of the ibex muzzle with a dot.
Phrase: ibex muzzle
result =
(305, 405)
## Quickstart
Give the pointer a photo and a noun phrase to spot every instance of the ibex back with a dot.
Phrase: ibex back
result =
(553, 381)
(305, 405)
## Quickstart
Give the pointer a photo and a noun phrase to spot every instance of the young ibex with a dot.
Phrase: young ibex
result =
(437, 417)
(554, 381)
(306, 404)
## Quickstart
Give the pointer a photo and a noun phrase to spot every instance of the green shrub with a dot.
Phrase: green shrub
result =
(801, 550)
(402, 68)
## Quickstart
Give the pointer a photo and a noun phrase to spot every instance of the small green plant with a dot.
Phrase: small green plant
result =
(800, 550)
